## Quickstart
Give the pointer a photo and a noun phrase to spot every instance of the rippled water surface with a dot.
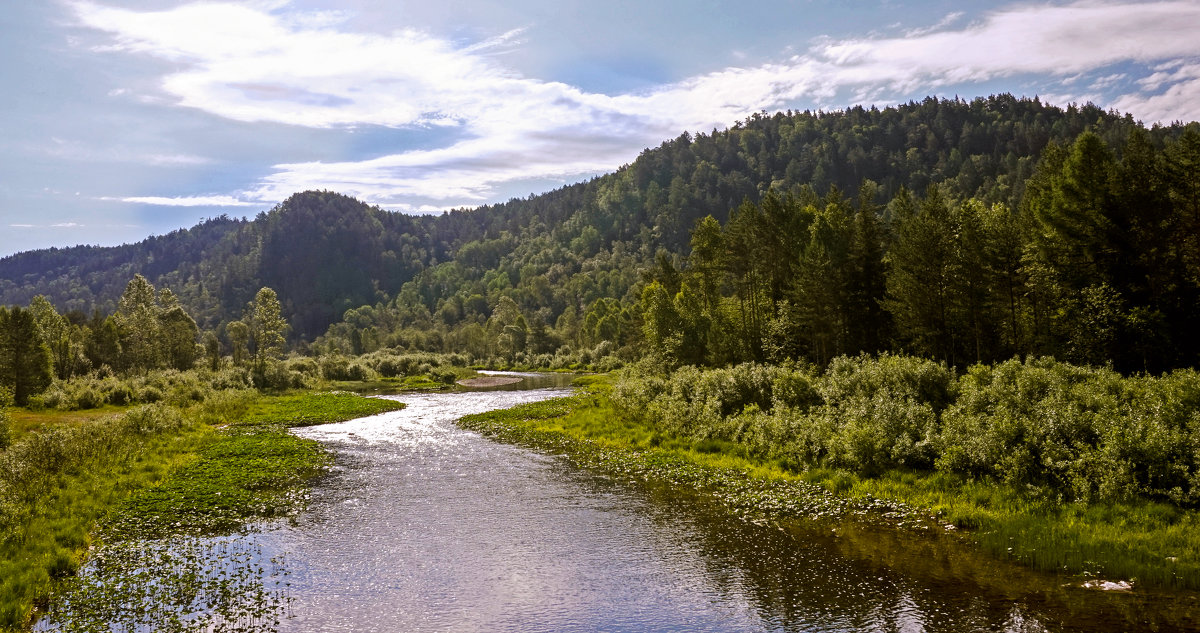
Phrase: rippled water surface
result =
(423, 526)
(426, 527)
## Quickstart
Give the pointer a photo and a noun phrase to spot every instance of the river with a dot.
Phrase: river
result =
(423, 526)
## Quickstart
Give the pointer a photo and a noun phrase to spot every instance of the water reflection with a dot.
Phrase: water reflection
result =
(423, 526)
(528, 381)
(426, 527)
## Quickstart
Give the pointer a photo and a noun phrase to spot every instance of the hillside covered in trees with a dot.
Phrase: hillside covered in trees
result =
(963, 231)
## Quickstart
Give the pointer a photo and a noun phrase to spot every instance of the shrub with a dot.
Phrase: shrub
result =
(1076, 432)
(444, 376)
(87, 397)
(149, 394)
(901, 377)
(871, 435)
(232, 378)
(119, 394)
(304, 365)
(6, 401)
(225, 407)
(55, 397)
(277, 376)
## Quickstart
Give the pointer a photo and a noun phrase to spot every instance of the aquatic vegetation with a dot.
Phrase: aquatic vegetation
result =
(181, 584)
(248, 473)
(75, 484)
(57, 483)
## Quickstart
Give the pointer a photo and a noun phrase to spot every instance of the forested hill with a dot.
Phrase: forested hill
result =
(570, 263)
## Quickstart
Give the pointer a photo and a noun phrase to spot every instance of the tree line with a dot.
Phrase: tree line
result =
(837, 204)
(149, 331)
(1099, 264)
(349, 254)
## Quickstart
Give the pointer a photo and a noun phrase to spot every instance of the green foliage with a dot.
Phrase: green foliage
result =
(247, 473)
(267, 327)
(6, 401)
(25, 362)
(152, 471)
(895, 377)
(56, 483)
(804, 279)
(137, 317)
(701, 404)
(344, 368)
(59, 336)
(1059, 431)
(1077, 433)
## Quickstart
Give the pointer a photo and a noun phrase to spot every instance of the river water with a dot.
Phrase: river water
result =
(423, 526)
(426, 527)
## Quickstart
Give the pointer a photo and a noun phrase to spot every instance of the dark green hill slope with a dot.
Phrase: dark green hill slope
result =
(564, 250)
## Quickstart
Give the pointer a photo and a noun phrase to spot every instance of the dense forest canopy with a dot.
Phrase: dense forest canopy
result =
(961, 230)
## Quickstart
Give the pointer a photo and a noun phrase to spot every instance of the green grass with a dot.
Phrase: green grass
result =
(71, 480)
(246, 473)
(49, 512)
(25, 421)
(1153, 544)
(307, 409)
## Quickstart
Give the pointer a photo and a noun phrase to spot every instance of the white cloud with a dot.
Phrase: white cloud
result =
(274, 64)
(1179, 102)
(56, 225)
(945, 22)
(188, 201)
(1057, 40)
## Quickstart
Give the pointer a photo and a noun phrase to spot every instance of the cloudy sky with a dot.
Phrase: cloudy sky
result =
(125, 118)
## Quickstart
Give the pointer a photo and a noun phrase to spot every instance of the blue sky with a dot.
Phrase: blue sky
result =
(126, 118)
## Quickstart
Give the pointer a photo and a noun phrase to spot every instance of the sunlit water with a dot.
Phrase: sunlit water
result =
(427, 527)
(423, 526)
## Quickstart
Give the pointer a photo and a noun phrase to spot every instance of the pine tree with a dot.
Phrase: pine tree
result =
(25, 365)
(919, 276)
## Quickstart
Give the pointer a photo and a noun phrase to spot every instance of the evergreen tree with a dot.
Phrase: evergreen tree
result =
(919, 276)
(866, 284)
(25, 365)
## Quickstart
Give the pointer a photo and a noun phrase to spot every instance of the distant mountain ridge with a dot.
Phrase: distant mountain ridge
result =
(325, 253)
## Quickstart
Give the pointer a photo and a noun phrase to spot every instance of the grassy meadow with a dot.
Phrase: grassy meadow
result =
(204, 457)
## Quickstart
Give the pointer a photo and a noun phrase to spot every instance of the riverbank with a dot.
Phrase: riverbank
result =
(70, 483)
(1149, 544)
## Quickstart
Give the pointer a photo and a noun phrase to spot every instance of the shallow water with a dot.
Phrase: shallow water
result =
(427, 527)
(423, 526)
